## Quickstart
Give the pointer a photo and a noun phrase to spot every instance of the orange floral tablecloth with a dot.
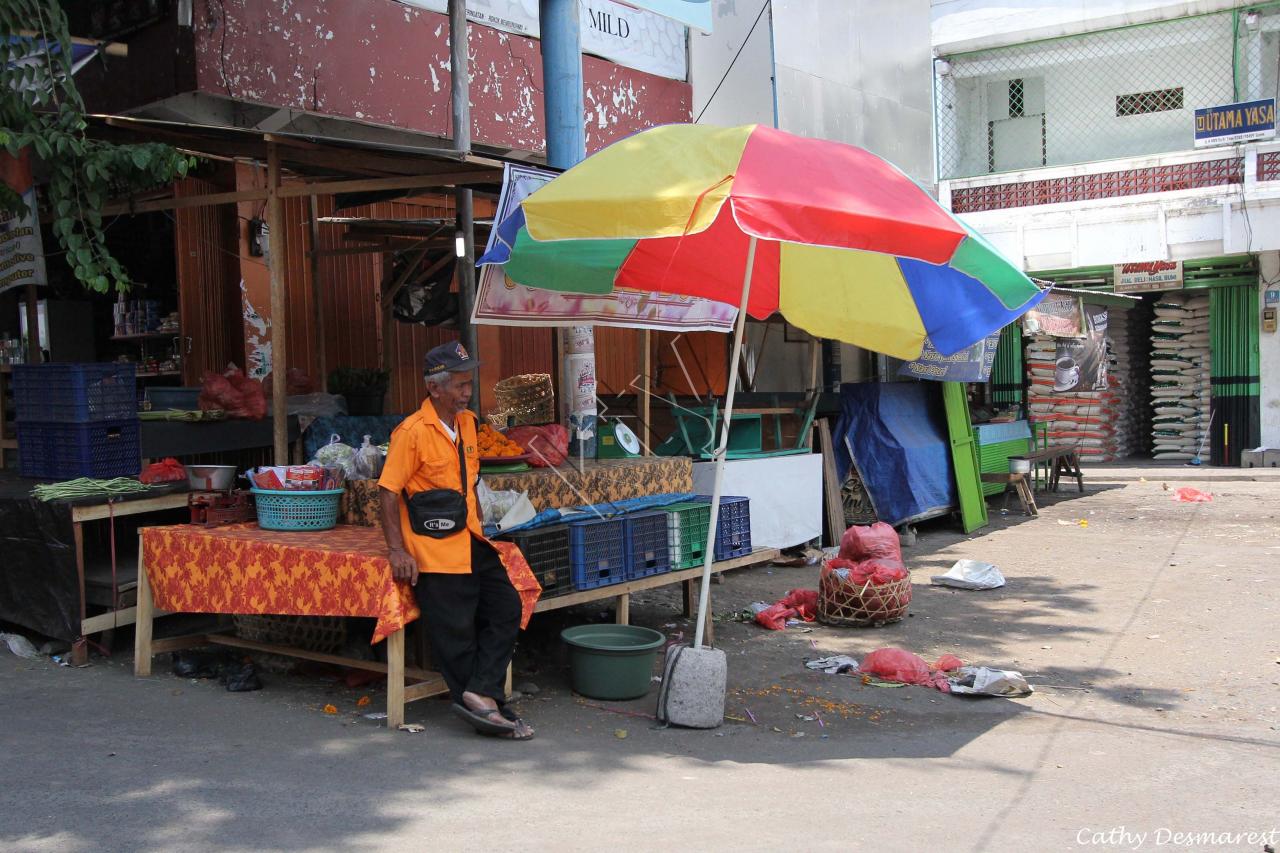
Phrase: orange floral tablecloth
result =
(243, 569)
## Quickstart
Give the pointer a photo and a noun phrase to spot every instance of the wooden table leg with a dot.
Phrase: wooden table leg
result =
(142, 622)
(80, 648)
(395, 680)
(1075, 458)
(690, 598)
(623, 609)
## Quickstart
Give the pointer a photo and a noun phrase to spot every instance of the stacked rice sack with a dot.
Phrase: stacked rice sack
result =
(1179, 375)
(1085, 420)
(1124, 378)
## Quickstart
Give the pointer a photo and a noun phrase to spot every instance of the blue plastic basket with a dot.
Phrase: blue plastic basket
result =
(298, 510)
(75, 393)
(65, 451)
(733, 530)
(647, 551)
(597, 552)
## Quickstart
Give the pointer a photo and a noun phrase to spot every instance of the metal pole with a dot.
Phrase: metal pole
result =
(704, 590)
(561, 40)
(460, 68)
(279, 323)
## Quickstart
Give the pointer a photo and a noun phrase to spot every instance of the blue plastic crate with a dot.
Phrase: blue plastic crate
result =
(648, 551)
(597, 552)
(65, 451)
(75, 393)
(733, 530)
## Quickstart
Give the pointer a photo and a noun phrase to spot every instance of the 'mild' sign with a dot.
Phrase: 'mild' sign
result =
(1236, 123)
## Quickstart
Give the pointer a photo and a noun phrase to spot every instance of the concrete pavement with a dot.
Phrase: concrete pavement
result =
(1150, 631)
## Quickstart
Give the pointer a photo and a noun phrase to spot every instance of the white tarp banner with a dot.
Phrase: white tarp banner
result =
(635, 38)
(21, 250)
(502, 302)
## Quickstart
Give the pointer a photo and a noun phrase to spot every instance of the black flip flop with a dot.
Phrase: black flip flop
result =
(481, 722)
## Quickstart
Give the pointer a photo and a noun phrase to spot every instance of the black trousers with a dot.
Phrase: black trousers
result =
(472, 622)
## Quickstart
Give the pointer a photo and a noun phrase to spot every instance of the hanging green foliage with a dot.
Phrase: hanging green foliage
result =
(41, 109)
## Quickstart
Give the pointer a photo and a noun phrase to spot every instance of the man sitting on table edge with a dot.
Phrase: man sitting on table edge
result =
(471, 609)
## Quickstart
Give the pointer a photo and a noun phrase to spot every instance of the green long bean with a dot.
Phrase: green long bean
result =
(87, 487)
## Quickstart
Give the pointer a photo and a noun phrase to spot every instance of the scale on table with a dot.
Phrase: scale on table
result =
(615, 440)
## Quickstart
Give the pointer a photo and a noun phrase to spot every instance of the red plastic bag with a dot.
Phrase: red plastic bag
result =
(233, 392)
(900, 665)
(798, 604)
(878, 542)
(805, 602)
(165, 471)
(1188, 495)
(546, 445)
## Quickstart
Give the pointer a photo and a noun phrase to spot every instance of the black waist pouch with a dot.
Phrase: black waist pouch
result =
(440, 512)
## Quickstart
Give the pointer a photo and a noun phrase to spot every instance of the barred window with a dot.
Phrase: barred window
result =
(1017, 99)
(1158, 101)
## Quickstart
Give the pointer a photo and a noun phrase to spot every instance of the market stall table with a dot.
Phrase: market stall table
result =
(43, 579)
(244, 570)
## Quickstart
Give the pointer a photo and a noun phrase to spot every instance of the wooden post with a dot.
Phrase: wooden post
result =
(395, 680)
(832, 499)
(33, 326)
(622, 610)
(279, 323)
(317, 295)
(646, 367)
(143, 617)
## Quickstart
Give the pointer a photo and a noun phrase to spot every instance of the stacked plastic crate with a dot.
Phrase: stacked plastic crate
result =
(77, 420)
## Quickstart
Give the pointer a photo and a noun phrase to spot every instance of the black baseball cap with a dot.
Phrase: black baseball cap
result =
(448, 358)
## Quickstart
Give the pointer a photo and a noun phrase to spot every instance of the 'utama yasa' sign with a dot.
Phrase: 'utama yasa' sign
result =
(1236, 123)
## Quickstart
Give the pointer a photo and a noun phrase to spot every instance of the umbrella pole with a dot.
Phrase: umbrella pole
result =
(704, 590)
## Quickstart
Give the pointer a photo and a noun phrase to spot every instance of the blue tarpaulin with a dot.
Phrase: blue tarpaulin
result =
(898, 434)
(555, 516)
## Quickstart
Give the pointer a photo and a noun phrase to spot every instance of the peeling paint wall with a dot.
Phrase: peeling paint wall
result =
(386, 63)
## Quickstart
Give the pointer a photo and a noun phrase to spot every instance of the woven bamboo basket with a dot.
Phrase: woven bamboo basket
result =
(325, 634)
(526, 399)
(848, 605)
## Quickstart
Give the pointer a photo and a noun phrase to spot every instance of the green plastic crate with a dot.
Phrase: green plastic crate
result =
(687, 525)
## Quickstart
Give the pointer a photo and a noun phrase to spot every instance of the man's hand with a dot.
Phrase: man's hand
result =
(403, 567)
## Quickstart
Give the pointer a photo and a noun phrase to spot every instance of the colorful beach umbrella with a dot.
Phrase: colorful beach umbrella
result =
(842, 243)
(849, 247)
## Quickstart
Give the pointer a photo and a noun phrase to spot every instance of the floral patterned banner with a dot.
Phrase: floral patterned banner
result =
(502, 302)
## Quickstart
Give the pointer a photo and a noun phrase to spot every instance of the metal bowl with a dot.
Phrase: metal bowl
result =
(210, 478)
(1019, 466)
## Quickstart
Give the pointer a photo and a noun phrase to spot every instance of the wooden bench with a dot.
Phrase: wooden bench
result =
(1058, 459)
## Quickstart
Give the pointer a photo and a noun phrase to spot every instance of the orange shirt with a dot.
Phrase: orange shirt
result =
(423, 457)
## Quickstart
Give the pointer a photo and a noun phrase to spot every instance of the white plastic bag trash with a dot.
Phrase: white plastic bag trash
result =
(985, 681)
(19, 645)
(971, 574)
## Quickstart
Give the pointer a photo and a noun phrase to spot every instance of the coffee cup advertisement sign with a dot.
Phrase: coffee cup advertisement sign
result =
(1081, 363)
(1058, 315)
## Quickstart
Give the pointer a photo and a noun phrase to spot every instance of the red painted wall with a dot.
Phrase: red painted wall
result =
(387, 63)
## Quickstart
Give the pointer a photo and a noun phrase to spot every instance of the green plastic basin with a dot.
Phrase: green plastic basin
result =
(612, 661)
